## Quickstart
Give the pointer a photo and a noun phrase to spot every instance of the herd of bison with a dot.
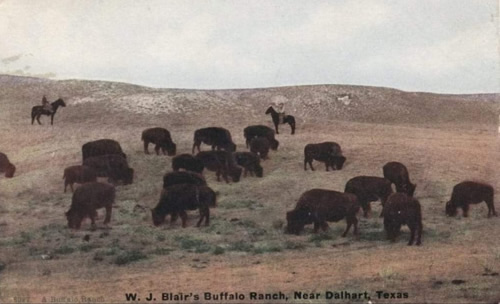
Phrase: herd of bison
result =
(185, 188)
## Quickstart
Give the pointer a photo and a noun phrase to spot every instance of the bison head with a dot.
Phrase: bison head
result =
(74, 219)
(410, 188)
(451, 209)
(128, 176)
(158, 217)
(10, 171)
(230, 147)
(259, 171)
(236, 173)
(274, 144)
(339, 162)
(296, 220)
(171, 149)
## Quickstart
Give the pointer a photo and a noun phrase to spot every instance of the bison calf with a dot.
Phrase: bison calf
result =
(179, 198)
(6, 166)
(398, 175)
(319, 206)
(187, 162)
(251, 132)
(222, 162)
(161, 138)
(86, 200)
(260, 146)
(78, 174)
(250, 163)
(401, 209)
(369, 189)
(328, 152)
(469, 192)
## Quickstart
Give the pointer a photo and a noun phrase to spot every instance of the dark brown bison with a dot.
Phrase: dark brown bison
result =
(113, 166)
(6, 166)
(250, 163)
(161, 138)
(251, 132)
(469, 192)
(222, 162)
(78, 174)
(369, 189)
(187, 162)
(260, 146)
(216, 137)
(183, 177)
(86, 200)
(328, 152)
(101, 147)
(179, 198)
(401, 209)
(398, 175)
(320, 206)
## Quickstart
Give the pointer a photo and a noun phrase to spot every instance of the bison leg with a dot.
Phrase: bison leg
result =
(465, 210)
(146, 144)
(412, 233)
(157, 149)
(183, 218)
(204, 213)
(173, 218)
(491, 207)
(351, 221)
(52, 119)
(92, 216)
(107, 219)
(419, 234)
(196, 144)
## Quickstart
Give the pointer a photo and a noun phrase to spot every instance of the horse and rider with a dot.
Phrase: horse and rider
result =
(46, 105)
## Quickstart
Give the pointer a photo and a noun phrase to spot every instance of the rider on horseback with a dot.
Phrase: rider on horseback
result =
(46, 105)
(280, 108)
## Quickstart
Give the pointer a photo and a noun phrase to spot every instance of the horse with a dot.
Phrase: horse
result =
(38, 111)
(289, 119)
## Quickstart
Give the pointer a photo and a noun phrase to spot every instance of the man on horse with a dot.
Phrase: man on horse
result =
(46, 105)
(280, 109)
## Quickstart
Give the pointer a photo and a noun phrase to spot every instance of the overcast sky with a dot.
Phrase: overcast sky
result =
(449, 46)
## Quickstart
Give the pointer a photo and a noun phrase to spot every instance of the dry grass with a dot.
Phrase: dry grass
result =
(244, 249)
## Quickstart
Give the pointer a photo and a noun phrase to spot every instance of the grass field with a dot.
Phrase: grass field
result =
(244, 249)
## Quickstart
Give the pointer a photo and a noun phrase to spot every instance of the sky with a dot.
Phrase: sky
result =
(442, 46)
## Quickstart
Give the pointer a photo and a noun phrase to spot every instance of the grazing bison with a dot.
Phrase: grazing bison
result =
(328, 152)
(183, 177)
(398, 175)
(6, 166)
(86, 200)
(161, 138)
(250, 163)
(469, 192)
(369, 189)
(319, 206)
(219, 138)
(101, 147)
(260, 146)
(251, 132)
(402, 209)
(179, 198)
(187, 162)
(78, 174)
(222, 162)
(113, 166)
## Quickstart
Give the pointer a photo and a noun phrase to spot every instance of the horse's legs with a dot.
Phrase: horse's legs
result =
(38, 119)
(52, 119)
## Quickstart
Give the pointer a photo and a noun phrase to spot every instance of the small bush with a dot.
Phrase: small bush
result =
(190, 244)
(162, 251)
(218, 250)
(241, 246)
(294, 245)
(129, 257)
(64, 250)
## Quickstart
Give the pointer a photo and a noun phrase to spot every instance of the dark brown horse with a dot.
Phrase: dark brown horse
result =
(38, 111)
(289, 119)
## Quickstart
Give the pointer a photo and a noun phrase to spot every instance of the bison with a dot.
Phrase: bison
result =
(183, 177)
(319, 206)
(251, 132)
(6, 166)
(397, 173)
(187, 162)
(260, 146)
(369, 189)
(250, 163)
(328, 152)
(86, 200)
(161, 138)
(101, 147)
(222, 162)
(78, 174)
(216, 137)
(401, 209)
(181, 197)
(469, 192)
(113, 166)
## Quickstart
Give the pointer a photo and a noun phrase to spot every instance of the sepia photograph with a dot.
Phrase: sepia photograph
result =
(237, 152)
